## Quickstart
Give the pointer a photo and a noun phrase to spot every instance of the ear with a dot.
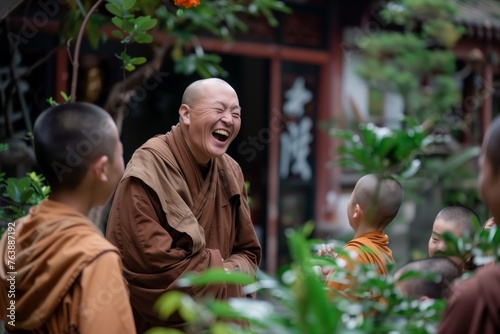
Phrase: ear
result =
(184, 114)
(357, 211)
(99, 168)
(423, 298)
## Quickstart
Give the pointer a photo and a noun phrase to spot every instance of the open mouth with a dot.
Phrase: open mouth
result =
(221, 135)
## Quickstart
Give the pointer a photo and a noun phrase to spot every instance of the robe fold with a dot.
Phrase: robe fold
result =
(371, 248)
(168, 219)
(66, 277)
(474, 304)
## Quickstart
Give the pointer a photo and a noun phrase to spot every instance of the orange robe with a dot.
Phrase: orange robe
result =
(63, 277)
(168, 218)
(372, 249)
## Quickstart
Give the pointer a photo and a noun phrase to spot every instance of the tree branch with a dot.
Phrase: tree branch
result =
(118, 96)
(74, 79)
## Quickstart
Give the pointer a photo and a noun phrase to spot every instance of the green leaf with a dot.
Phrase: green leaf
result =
(129, 67)
(143, 38)
(13, 191)
(128, 4)
(52, 102)
(145, 23)
(138, 60)
(216, 276)
(188, 309)
(125, 57)
(65, 96)
(114, 9)
(168, 303)
(118, 34)
(25, 195)
(117, 21)
(129, 25)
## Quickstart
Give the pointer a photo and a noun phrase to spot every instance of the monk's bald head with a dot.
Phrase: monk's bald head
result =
(417, 287)
(379, 197)
(68, 138)
(460, 217)
(195, 90)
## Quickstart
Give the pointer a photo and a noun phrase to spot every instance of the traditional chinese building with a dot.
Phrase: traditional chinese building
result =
(290, 80)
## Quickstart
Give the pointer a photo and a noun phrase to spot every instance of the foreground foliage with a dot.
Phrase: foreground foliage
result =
(299, 302)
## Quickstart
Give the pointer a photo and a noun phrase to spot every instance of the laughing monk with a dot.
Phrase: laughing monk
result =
(181, 205)
(474, 305)
(374, 203)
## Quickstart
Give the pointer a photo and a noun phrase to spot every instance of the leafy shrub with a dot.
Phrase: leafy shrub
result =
(300, 302)
(18, 194)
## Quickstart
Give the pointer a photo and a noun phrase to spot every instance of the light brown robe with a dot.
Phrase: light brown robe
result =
(68, 277)
(372, 249)
(167, 219)
(474, 304)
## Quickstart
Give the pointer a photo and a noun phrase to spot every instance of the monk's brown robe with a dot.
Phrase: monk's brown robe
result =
(167, 219)
(372, 249)
(474, 304)
(63, 277)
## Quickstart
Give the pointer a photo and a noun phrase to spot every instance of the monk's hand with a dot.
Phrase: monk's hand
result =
(226, 269)
(326, 250)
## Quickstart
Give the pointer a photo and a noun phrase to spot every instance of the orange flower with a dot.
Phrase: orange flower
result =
(187, 3)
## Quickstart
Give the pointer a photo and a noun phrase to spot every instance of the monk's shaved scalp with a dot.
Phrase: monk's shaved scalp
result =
(418, 287)
(68, 138)
(459, 216)
(195, 90)
(379, 197)
(491, 149)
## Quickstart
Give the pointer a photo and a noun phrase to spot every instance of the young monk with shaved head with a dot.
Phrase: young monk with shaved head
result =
(59, 274)
(457, 220)
(374, 203)
(474, 305)
(422, 287)
(182, 205)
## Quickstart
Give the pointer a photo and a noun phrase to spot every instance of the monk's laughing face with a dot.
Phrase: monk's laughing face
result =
(212, 121)
(436, 241)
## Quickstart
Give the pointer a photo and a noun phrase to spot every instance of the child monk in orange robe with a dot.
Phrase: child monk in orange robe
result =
(374, 203)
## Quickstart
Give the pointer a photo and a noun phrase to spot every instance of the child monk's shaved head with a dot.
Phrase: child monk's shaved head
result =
(379, 197)
(419, 287)
(459, 216)
(68, 138)
(457, 220)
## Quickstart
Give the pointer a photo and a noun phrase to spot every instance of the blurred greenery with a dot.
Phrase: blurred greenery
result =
(135, 20)
(300, 302)
(414, 56)
(18, 194)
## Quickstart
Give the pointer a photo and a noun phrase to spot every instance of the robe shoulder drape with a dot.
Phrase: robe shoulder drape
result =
(67, 276)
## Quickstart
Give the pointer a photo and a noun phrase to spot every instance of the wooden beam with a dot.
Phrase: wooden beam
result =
(273, 179)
